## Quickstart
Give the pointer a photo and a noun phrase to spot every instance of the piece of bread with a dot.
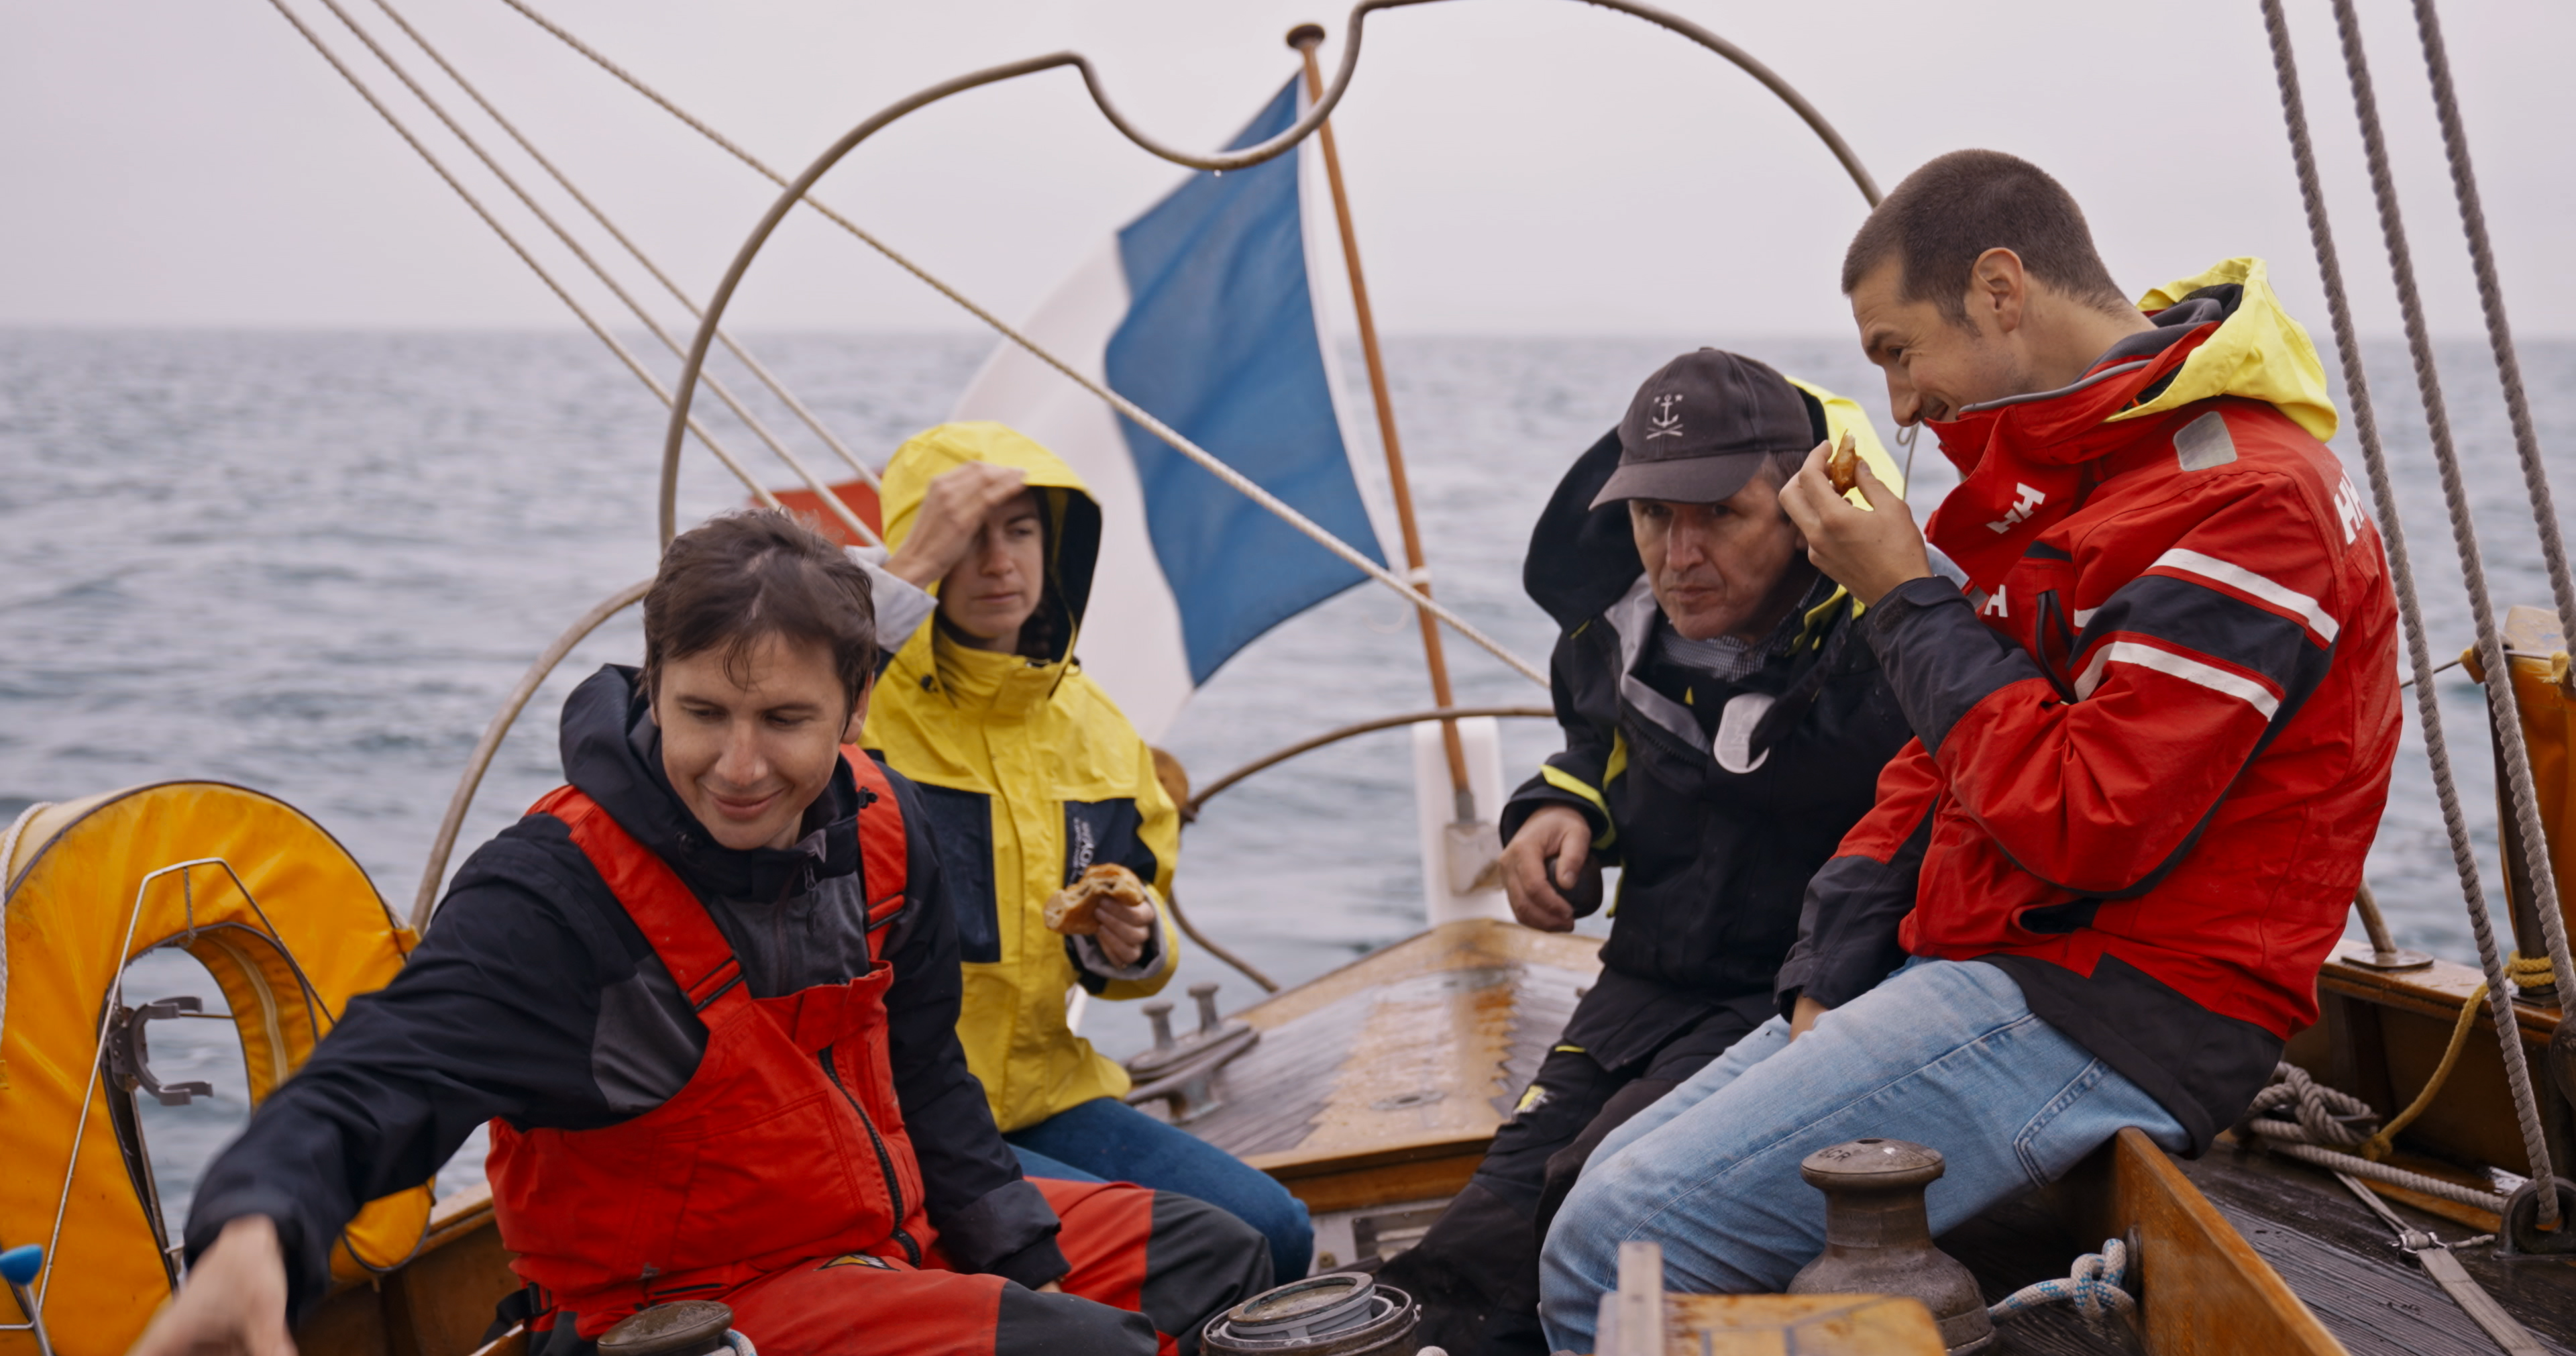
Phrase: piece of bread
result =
(1075, 909)
(1842, 465)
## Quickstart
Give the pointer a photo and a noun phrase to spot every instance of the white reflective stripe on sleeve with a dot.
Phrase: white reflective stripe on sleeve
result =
(2210, 676)
(2246, 581)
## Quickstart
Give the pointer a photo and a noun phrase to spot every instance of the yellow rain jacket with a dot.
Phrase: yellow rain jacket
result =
(1030, 775)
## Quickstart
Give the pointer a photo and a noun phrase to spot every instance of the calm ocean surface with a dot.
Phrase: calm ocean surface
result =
(313, 563)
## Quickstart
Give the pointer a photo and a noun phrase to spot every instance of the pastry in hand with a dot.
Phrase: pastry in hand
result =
(1075, 909)
(1842, 465)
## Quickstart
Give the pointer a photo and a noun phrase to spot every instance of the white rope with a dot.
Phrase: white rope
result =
(758, 369)
(580, 312)
(831, 502)
(2381, 1172)
(1243, 484)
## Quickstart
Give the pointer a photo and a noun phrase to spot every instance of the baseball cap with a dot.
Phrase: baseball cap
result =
(1701, 426)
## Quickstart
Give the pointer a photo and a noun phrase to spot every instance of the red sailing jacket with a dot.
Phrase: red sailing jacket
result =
(787, 1144)
(2147, 783)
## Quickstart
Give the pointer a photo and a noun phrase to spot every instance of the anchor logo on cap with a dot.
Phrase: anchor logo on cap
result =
(1665, 424)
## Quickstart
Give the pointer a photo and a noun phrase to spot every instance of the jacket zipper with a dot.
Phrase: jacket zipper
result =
(885, 1161)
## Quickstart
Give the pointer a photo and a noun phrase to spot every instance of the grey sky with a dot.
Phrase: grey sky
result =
(1518, 166)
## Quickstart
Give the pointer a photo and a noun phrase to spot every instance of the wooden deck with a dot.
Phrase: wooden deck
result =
(2344, 1262)
(1384, 1080)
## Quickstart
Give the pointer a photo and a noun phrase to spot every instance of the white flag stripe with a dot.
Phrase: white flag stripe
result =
(2246, 581)
(2210, 676)
(1131, 640)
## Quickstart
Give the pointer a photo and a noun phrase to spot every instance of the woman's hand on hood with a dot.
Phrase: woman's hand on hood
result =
(951, 512)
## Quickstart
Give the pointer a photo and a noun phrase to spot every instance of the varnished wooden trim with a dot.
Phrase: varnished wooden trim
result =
(1293, 1165)
(2202, 1287)
(1386, 1184)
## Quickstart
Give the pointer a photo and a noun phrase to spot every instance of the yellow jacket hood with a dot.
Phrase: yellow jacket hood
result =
(2258, 353)
(1073, 516)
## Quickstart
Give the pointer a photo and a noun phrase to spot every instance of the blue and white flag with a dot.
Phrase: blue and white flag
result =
(1202, 312)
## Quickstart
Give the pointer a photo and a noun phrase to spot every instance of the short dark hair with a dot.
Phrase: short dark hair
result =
(1959, 206)
(739, 578)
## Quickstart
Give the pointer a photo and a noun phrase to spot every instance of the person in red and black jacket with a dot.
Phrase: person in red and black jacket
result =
(2154, 735)
(706, 997)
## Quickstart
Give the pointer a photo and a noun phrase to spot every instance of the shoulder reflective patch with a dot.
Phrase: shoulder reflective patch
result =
(1733, 746)
(1531, 1100)
(859, 1259)
(2245, 581)
(2204, 443)
(2166, 662)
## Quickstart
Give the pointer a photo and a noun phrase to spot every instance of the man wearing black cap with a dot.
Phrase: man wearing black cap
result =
(1721, 733)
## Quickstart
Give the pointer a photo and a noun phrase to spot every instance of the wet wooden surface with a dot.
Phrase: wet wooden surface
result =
(2344, 1261)
(1802, 1325)
(1410, 1056)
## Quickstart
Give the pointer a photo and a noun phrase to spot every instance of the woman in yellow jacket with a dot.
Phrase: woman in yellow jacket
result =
(1031, 776)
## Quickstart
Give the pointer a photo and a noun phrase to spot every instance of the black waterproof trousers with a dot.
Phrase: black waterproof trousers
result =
(1476, 1271)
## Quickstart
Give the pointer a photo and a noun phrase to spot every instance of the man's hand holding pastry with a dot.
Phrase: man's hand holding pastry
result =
(1867, 550)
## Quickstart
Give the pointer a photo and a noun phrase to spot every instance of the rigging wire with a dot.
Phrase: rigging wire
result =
(2428, 386)
(2410, 606)
(2473, 225)
(1177, 441)
(758, 369)
(831, 502)
(1314, 116)
(1124, 406)
(580, 312)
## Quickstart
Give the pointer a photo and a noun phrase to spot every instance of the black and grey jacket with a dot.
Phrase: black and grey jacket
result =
(1717, 799)
(536, 1000)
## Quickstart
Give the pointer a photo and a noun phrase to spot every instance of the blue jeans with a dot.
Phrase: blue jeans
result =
(1944, 1053)
(1106, 1140)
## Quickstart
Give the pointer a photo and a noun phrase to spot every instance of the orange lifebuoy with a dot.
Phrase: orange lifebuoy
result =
(291, 929)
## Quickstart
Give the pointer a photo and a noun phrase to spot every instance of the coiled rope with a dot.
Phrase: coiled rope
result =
(2334, 1129)
(2092, 1286)
(2497, 988)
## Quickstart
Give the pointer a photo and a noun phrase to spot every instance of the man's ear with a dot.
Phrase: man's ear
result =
(858, 713)
(1999, 289)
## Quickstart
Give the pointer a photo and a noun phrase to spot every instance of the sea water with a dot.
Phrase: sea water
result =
(313, 563)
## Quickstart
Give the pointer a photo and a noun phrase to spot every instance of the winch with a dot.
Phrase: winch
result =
(1339, 1314)
(1878, 1238)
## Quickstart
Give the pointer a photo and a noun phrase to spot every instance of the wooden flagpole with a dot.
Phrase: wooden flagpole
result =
(1306, 38)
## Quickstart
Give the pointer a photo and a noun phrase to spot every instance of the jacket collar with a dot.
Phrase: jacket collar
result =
(612, 752)
(988, 681)
(2024, 461)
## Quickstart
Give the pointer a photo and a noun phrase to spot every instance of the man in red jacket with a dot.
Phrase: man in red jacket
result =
(2153, 730)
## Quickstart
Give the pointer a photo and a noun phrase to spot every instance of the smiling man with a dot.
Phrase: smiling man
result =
(706, 998)
(1723, 729)
(2154, 733)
